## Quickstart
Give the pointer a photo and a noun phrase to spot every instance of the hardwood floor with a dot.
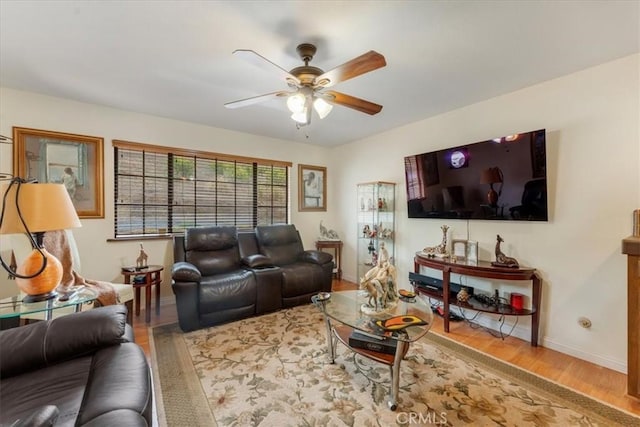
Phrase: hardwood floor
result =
(601, 383)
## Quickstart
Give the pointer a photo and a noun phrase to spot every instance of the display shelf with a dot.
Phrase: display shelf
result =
(483, 269)
(376, 223)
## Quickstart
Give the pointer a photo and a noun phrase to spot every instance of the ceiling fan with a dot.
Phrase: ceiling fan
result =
(308, 84)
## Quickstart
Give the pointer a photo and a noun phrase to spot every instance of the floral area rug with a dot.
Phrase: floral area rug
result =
(273, 370)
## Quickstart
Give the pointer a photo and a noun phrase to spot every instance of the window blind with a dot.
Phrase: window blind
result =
(159, 190)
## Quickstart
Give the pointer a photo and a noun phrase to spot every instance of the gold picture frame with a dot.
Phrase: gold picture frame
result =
(312, 188)
(73, 160)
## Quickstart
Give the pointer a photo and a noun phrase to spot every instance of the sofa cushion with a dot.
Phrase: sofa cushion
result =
(213, 250)
(226, 291)
(300, 279)
(281, 243)
(62, 386)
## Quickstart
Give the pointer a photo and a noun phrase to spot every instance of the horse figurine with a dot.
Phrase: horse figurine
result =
(376, 291)
(501, 259)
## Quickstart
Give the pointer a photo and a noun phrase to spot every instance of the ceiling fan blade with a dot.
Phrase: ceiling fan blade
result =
(349, 101)
(257, 99)
(264, 63)
(365, 63)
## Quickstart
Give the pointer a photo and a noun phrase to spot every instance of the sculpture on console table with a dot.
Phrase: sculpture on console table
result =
(501, 259)
(441, 249)
(379, 284)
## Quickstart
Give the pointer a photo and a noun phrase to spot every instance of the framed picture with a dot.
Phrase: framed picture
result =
(312, 188)
(73, 160)
(459, 249)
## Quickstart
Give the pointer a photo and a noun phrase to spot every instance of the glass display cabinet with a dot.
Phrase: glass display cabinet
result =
(376, 224)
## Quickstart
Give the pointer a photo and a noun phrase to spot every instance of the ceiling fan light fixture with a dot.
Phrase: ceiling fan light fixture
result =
(296, 103)
(300, 117)
(322, 107)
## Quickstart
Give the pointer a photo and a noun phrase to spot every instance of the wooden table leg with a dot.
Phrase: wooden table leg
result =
(147, 303)
(446, 276)
(536, 297)
(137, 300)
(157, 285)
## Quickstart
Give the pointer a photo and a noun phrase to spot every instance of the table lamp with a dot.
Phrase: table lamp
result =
(34, 208)
(492, 176)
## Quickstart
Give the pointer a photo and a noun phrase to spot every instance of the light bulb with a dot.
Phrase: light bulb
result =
(322, 107)
(300, 117)
(296, 103)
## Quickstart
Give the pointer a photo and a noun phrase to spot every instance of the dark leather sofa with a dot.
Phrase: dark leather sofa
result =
(82, 369)
(220, 274)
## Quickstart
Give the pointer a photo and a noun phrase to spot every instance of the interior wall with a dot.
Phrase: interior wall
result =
(591, 118)
(101, 260)
(593, 159)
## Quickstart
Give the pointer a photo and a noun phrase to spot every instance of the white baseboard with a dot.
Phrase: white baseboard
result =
(616, 365)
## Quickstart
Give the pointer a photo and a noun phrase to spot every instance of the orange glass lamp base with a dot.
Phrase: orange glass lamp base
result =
(492, 197)
(42, 286)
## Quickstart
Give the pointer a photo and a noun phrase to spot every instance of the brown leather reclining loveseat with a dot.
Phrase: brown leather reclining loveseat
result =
(220, 274)
(82, 369)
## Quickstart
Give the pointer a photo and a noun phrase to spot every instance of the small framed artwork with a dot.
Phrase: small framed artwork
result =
(312, 188)
(459, 249)
(73, 160)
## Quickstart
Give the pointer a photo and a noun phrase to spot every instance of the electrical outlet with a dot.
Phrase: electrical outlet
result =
(584, 322)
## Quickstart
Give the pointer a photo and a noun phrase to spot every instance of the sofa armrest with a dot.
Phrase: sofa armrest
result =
(42, 344)
(185, 272)
(257, 261)
(316, 257)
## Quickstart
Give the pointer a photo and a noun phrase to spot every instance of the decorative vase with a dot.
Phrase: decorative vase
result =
(463, 295)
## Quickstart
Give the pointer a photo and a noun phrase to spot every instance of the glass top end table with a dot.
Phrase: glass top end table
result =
(15, 306)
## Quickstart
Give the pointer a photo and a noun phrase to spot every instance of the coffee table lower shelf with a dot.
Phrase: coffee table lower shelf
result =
(342, 332)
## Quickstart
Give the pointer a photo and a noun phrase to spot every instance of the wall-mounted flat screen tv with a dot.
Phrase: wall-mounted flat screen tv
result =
(499, 179)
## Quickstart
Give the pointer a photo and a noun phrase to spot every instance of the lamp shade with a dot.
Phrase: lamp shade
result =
(491, 176)
(43, 207)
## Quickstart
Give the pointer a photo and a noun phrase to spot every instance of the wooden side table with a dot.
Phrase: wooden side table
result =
(152, 277)
(336, 245)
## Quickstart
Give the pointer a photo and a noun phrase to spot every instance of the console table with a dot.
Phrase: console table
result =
(483, 269)
(631, 247)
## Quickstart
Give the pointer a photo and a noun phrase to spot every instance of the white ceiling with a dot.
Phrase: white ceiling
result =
(174, 58)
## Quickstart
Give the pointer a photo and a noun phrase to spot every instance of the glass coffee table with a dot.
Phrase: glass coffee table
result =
(343, 315)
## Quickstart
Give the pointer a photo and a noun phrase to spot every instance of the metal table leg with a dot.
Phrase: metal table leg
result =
(395, 375)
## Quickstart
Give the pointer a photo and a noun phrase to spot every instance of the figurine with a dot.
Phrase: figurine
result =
(379, 283)
(441, 249)
(501, 259)
(141, 261)
(463, 295)
(328, 234)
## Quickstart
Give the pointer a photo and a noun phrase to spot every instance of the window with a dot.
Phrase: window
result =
(166, 190)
